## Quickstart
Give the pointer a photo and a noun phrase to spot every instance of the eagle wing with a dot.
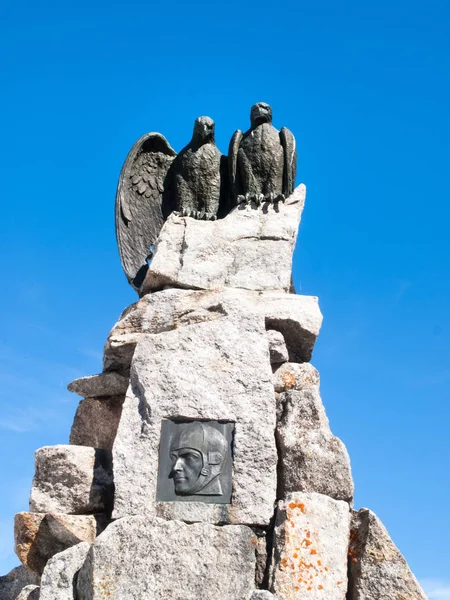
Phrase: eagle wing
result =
(290, 161)
(139, 196)
(233, 174)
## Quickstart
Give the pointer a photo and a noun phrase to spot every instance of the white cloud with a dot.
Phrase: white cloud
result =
(436, 589)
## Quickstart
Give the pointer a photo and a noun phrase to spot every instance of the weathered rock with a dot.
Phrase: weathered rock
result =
(96, 421)
(250, 248)
(311, 458)
(295, 376)
(59, 576)
(72, 480)
(310, 548)
(12, 584)
(118, 352)
(29, 592)
(260, 542)
(140, 558)
(377, 570)
(217, 370)
(263, 595)
(297, 318)
(38, 537)
(277, 347)
(97, 386)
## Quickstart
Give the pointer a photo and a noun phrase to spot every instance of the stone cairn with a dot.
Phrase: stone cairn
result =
(210, 365)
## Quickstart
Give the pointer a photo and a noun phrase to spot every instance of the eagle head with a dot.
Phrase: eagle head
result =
(260, 113)
(203, 130)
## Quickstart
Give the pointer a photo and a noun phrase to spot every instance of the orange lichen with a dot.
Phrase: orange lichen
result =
(299, 505)
(313, 551)
(320, 587)
(353, 549)
(288, 380)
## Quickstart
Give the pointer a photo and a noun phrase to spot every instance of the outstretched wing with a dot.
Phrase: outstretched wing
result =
(290, 161)
(233, 173)
(138, 203)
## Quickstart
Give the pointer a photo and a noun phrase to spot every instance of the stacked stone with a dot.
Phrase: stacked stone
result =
(217, 336)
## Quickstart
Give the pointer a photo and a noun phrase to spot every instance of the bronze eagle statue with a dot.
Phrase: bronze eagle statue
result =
(262, 161)
(156, 181)
(198, 182)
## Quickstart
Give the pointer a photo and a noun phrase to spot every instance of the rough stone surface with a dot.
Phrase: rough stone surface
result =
(263, 595)
(294, 376)
(250, 249)
(142, 558)
(310, 548)
(217, 370)
(260, 543)
(29, 592)
(377, 570)
(96, 421)
(297, 318)
(312, 459)
(72, 480)
(59, 576)
(119, 351)
(12, 583)
(277, 347)
(38, 537)
(97, 386)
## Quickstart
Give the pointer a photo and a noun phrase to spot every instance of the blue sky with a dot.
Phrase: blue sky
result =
(365, 88)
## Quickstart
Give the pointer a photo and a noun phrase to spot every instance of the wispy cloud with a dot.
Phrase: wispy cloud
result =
(29, 418)
(437, 377)
(91, 353)
(403, 288)
(436, 589)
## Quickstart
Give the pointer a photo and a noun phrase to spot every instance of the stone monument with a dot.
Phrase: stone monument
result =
(201, 463)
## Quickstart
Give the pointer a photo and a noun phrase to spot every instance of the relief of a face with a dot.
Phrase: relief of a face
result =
(186, 466)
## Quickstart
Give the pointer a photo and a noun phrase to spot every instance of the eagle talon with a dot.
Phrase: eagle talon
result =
(259, 199)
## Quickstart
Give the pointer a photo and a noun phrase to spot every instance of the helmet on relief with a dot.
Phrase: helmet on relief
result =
(212, 446)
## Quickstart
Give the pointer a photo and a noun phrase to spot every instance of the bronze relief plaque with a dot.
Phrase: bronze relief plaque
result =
(195, 462)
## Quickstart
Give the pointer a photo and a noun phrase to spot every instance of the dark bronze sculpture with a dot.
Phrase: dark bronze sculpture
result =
(198, 453)
(195, 462)
(262, 161)
(139, 215)
(193, 183)
(156, 181)
(198, 182)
